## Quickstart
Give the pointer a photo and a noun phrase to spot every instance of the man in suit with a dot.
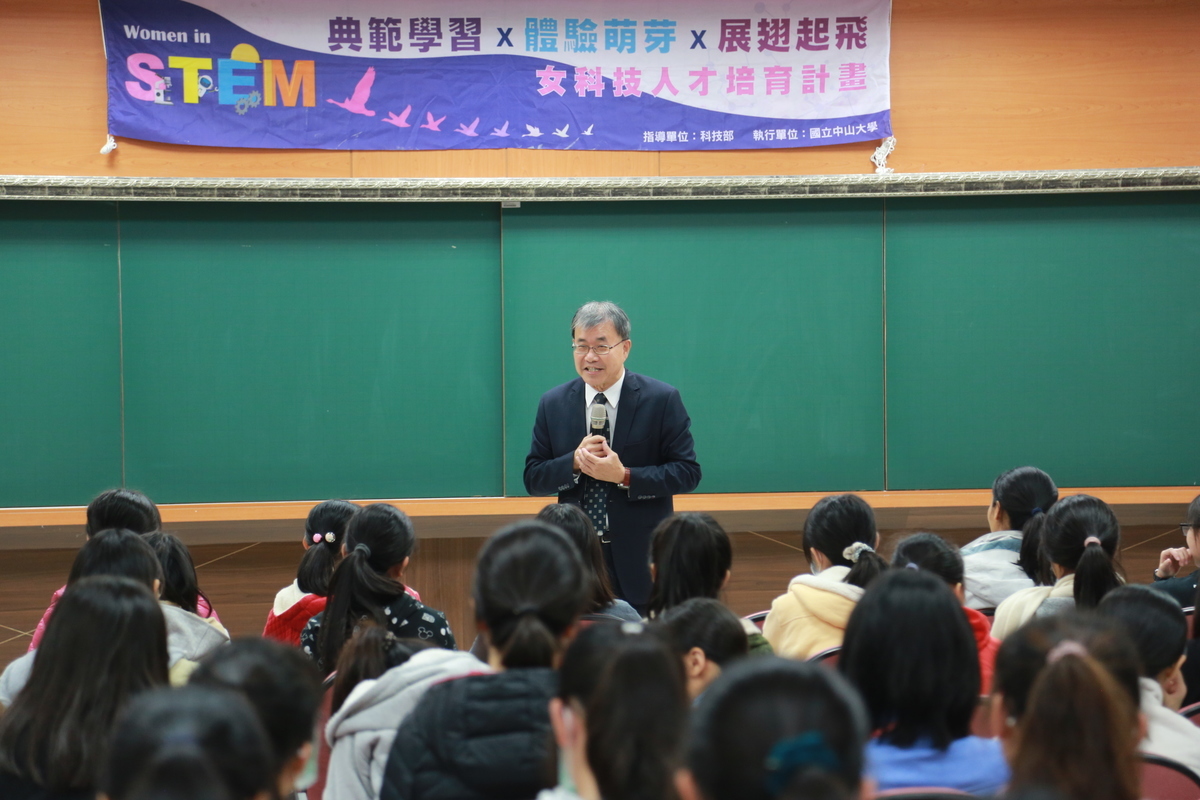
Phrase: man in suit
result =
(625, 487)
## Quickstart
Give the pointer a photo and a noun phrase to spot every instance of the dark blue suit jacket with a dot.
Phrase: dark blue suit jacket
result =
(653, 439)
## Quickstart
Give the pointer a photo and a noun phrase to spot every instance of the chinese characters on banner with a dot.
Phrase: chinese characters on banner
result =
(463, 74)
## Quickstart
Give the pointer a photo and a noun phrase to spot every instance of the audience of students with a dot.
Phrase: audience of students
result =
(369, 582)
(619, 717)
(105, 643)
(284, 689)
(707, 637)
(911, 654)
(776, 729)
(380, 680)
(1155, 624)
(1080, 539)
(486, 736)
(1065, 705)
(1007, 559)
(1173, 560)
(195, 742)
(691, 556)
(304, 598)
(932, 553)
(578, 527)
(839, 543)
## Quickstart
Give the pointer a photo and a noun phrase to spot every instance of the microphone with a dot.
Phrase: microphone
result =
(599, 416)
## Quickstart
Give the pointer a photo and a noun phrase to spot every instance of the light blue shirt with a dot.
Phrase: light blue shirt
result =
(971, 764)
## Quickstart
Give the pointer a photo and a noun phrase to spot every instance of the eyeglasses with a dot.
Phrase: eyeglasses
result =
(600, 349)
(1184, 527)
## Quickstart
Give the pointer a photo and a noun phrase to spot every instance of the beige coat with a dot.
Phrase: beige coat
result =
(1021, 607)
(811, 615)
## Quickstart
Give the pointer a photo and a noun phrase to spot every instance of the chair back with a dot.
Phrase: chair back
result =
(758, 618)
(923, 793)
(1164, 779)
(1192, 712)
(981, 720)
(1189, 613)
(828, 658)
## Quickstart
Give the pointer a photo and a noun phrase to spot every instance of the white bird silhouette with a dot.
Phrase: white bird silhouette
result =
(533, 131)
(562, 131)
(588, 132)
(357, 102)
(431, 123)
(400, 121)
(501, 131)
(468, 130)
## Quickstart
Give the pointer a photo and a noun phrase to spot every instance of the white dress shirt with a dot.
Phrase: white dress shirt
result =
(613, 395)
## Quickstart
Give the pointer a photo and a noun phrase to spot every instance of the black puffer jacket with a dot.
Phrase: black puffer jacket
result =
(483, 736)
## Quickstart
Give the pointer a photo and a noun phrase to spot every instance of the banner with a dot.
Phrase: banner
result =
(464, 74)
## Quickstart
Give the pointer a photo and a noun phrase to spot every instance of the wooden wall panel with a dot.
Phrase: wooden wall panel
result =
(977, 85)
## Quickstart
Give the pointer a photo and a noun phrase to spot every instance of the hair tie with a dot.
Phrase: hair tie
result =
(855, 551)
(329, 538)
(1066, 647)
(789, 756)
(526, 610)
(1036, 511)
(911, 565)
(362, 548)
(1092, 540)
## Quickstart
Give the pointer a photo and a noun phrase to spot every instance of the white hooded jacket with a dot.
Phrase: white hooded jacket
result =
(360, 734)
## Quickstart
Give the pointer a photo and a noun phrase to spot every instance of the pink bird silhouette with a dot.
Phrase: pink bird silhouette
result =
(501, 131)
(399, 121)
(431, 123)
(357, 102)
(468, 130)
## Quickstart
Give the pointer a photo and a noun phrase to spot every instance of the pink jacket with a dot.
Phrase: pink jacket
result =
(202, 606)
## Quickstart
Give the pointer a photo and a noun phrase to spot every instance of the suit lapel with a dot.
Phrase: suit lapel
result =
(576, 401)
(630, 393)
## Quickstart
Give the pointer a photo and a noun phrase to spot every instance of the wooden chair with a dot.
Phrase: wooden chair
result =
(1164, 779)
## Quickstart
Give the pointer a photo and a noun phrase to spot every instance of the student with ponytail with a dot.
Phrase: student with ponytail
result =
(839, 543)
(772, 729)
(304, 598)
(1066, 706)
(1007, 560)
(486, 736)
(1080, 542)
(194, 743)
(619, 717)
(369, 583)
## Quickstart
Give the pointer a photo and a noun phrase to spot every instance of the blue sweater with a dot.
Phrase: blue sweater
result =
(970, 764)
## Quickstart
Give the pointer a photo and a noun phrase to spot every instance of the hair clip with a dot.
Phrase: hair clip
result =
(855, 551)
(791, 755)
(1067, 647)
(330, 537)
(911, 565)
(316, 538)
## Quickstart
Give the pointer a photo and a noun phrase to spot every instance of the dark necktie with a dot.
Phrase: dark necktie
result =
(595, 492)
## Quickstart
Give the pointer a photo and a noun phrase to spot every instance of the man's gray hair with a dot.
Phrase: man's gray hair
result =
(599, 312)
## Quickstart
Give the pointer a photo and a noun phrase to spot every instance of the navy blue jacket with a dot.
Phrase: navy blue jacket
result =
(653, 439)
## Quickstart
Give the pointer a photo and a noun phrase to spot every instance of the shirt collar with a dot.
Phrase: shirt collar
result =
(612, 394)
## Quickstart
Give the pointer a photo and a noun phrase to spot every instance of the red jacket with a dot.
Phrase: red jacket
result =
(286, 627)
(981, 626)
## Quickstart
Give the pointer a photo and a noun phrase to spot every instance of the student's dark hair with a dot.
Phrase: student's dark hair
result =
(691, 556)
(106, 642)
(117, 552)
(369, 653)
(1193, 513)
(1024, 493)
(324, 533)
(179, 584)
(931, 553)
(834, 527)
(122, 508)
(1154, 623)
(572, 521)
(708, 624)
(198, 732)
(911, 653)
(378, 537)
(530, 587)
(1031, 558)
(1065, 534)
(771, 727)
(1070, 681)
(282, 685)
(631, 687)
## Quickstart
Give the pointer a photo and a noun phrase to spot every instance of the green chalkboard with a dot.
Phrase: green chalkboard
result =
(307, 351)
(60, 408)
(1056, 331)
(767, 316)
